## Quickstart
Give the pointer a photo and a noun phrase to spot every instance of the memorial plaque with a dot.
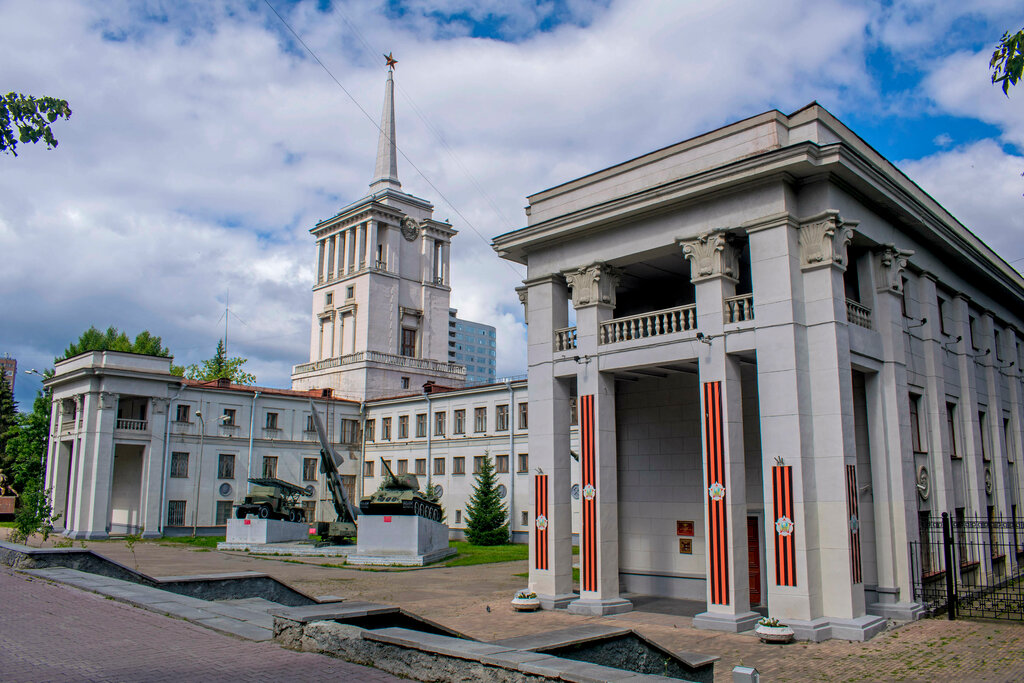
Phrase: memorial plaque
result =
(684, 528)
(686, 546)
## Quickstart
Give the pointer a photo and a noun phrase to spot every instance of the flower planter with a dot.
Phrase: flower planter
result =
(525, 604)
(774, 634)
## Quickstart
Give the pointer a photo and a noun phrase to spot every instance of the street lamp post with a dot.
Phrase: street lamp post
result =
(199, 468)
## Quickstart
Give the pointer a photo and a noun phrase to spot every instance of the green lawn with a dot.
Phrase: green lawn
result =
(485, 554)
(198, 542)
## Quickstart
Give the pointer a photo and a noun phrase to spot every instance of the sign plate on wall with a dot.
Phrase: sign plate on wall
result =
(686, 546)
(684, 528)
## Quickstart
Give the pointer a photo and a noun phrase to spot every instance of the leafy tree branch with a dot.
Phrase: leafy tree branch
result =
(31, 116)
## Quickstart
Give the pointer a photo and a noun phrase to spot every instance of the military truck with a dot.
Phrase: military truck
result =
(272, 498)
(400, 495)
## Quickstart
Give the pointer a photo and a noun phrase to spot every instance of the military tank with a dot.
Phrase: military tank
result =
(400, 495)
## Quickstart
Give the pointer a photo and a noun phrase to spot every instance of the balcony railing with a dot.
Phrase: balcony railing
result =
(653, 324)
(565, 339)
(739, 308)
(133, 425)
(386, 358)
(858, 314)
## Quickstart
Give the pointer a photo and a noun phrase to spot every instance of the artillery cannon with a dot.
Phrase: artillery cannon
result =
(273, 498)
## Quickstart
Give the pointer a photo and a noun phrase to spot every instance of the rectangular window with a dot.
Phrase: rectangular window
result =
(460, 422)
(309, 469)
(458, 465)
(458, 516)
(408, 342)
(523, 415)
(501, 418)
(308, 510)
(179, 465)
(384, 466)
(183, 413)
(915, 424)
(439, 419)
(903, 299)
(478, 462)
(175, 513)
(501, 463)
(350, 292)
(525, 518)
(405, 382)
(368, 468)
(942, 314)
(225, 466)
(438, 465)
(403, 426)
(229, 417)
(350, 431)
(385, 429)
(370, 428)
(573, 413)
(223, 512)
(271, 420)
(421, 465)
(403, 467)
(329, 298)
(421, 425)
(983, 434)
(480, 420)
(270, 466)
(309, 424)
(524, 463)
(951, 429)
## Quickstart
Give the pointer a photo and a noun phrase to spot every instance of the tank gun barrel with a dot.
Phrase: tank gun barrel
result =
(387, 467)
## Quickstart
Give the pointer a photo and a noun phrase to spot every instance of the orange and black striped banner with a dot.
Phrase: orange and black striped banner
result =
(718, 538)
(785, 552)
(588, 479)
(853, 523)
(540, 518)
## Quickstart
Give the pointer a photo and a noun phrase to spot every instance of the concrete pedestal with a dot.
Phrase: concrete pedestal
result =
(260, 531)
(407, 540)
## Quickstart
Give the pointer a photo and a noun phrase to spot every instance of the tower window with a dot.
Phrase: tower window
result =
(408, 342)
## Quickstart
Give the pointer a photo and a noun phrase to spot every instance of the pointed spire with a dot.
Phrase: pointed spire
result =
(386, 174)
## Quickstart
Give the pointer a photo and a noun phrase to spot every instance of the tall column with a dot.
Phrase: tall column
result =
(973, 467)
(998, 495)
(361, 234)
(714, 270)
(943, 494)
(321, 257)
(332, 256)
(593, 297)
(153, 470)
(339, 263)
(350, 258)
(371, 244)
(551, 530)
(893, 490)
(95, 475)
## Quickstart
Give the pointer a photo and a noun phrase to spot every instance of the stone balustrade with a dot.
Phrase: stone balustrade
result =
(385, 358)
(565, 339)
(858, 314)
(653, 324)
(133, 425)
(739, 308)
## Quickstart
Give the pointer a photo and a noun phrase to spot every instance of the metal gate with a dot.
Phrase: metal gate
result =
(988, 577)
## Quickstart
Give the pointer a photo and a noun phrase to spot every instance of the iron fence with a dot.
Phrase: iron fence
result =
(986, 554)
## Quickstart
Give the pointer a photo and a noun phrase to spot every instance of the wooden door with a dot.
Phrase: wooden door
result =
(754, 560)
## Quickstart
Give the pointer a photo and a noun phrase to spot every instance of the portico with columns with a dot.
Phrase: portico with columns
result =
(759, 396)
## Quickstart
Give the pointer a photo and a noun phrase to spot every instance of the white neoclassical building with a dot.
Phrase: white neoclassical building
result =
(787, 358)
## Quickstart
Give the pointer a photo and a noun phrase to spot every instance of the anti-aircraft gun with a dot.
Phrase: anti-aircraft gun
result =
(345, 525)
(400, 495)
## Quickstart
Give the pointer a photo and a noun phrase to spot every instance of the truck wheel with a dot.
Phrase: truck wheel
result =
(240, 513)
(264, 511)
(293, 515)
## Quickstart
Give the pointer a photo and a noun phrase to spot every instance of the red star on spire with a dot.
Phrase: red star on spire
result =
(390, 60)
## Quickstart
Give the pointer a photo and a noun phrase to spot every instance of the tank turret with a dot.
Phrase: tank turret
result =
(400, 495)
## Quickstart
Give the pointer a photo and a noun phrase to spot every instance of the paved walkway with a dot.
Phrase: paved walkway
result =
(458, 597)
(50, 632)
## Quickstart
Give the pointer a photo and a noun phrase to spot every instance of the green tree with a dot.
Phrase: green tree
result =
(32, 117)
(1007, 61)
(221, 367)
(486, 516)
(115, 340)
(8, 414)
(25, 445)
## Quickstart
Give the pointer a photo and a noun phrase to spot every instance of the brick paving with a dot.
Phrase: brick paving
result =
(928, 650)
(50, 632)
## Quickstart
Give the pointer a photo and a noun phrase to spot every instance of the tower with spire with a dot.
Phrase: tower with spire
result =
(382, 288)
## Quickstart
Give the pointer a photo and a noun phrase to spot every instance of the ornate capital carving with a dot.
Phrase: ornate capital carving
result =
(891, 262)
(593, 284)
(710, 256)
(823, 240)
(524, 295)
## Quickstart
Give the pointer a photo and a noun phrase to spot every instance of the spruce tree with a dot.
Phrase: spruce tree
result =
(486, 516)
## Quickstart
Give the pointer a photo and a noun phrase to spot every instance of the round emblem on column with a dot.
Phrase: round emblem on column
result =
(575, 491)
(988, 481)
(784, 526)
(542, 522)
(589, 492)
(924, 484)
(716, 491)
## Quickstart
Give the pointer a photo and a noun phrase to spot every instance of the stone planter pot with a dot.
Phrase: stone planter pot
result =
(525, 604)
(774, 634)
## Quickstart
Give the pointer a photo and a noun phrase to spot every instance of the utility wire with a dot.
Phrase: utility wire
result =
(377, 126)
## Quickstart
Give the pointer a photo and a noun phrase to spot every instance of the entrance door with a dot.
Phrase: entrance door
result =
(754, 560)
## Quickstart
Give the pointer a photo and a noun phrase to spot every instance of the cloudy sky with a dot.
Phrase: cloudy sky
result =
(206, 141)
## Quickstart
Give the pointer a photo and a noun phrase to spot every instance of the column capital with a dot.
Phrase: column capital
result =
(823, 240)
(523, 293)
(891, 262)
(711, 256)
(594, 284)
